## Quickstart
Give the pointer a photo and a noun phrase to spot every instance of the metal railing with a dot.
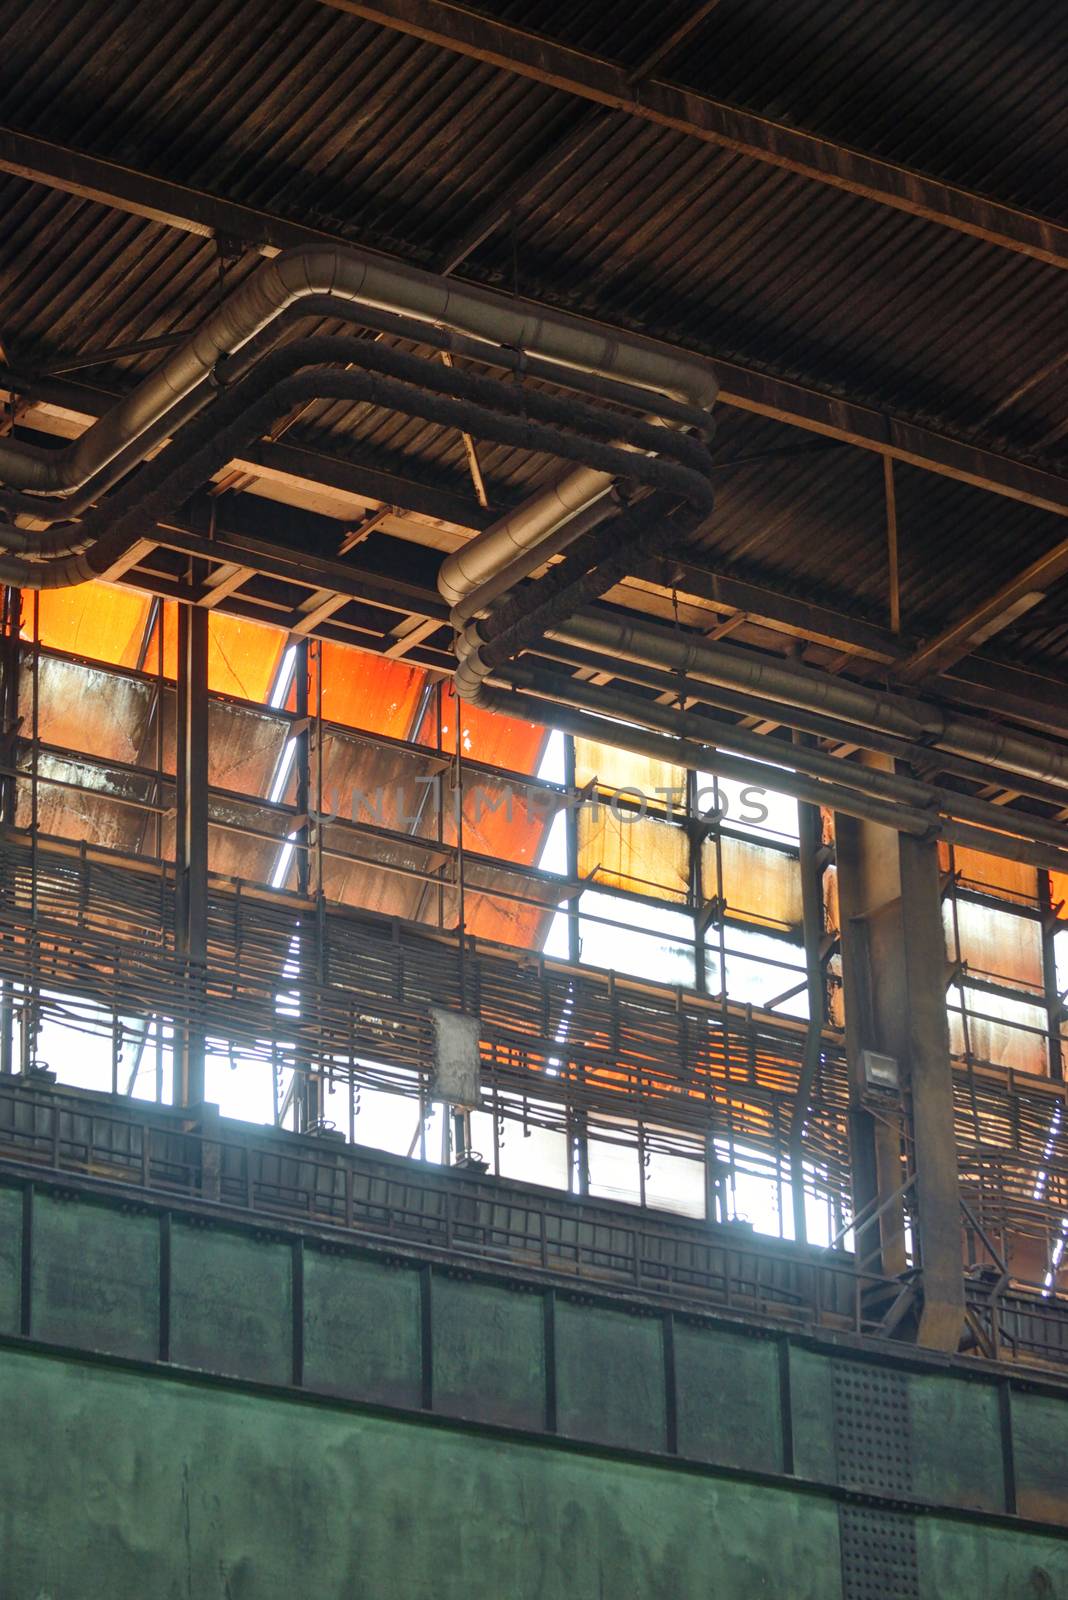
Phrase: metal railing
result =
(379, 1199)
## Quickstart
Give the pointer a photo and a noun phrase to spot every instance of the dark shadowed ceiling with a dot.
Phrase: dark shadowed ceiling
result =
(854, 209)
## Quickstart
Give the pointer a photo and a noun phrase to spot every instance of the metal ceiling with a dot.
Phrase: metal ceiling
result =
(310, 114)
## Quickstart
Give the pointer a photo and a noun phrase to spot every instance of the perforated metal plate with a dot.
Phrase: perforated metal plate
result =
(873, 1442)
(878, 1554)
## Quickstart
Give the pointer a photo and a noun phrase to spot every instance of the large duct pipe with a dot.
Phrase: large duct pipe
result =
(360, 277)
(476, 603)
(535, 421)
(723, 666)
(520, 533)
(55, 508)
(893, 788)
(853, 798)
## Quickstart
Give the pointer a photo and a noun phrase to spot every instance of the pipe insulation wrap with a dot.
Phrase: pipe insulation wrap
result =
(724, 666)
(477, 563)
(361, 277)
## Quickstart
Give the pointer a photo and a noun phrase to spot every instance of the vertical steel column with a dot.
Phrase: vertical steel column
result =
(191, 845)
(309, 1099)
(1054, 1008)
(9, 725)
(895, 970)
(930, 1084)
(868, 893)
(9, 698)
(810, 842)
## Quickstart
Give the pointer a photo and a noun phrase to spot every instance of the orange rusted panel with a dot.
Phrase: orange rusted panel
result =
(91, 619)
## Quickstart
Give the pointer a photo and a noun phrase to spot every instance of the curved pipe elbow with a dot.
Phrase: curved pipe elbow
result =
(363, 278)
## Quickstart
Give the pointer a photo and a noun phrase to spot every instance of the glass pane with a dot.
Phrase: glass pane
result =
(239, 1087)
(1008, 1033)
(553, 854)
(486, 736)
(91, 619)
(1058, 893)
(502, 906)
(530, 1154)
(553, 765)
(88, 708)
(996, 943)
(673, 1182)
(615, 1168)
(991, 874)
(389, 1122)
(747, 807)
(363, 690)
(622, 769)
(82, 802)
(760, 968)
(760, 884)
(502, 818)
(243, 656)
(650, 946)
(628, 851)
(245, 750)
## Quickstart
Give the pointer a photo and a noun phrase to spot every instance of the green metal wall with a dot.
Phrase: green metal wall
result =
(130, 1485)
(330, 1421)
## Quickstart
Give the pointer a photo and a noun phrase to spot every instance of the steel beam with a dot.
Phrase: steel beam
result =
(108, 183)
(850, 421)
(1027, 588)
(191, 877)
(799, 618)
(894, 970)
(575, 72)
(930, 1086)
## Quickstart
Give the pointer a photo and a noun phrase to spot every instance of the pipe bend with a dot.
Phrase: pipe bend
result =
(359, 276)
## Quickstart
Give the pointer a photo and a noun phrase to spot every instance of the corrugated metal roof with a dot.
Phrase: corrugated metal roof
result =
(312, 114)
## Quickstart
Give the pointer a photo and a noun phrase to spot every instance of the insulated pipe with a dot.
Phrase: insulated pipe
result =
(571, 429)
(521, 621)
(920, 757)
(359, 276)
(521, 533)
(894, 788)
(900, 715)
(441, 394)
(688, 656)
(476, 603)
(56, 508)
(679, 752)
(709, 758)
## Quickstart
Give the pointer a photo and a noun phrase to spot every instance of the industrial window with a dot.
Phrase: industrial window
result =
(757, 883)
(91, 619)
(614, 1164)
(760, 971)
(1002, 993)
(621, 850)
(523, 1140)
(649, 941)
(612, 770)
(754, 809)
(574, 847)
(992, 1027)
